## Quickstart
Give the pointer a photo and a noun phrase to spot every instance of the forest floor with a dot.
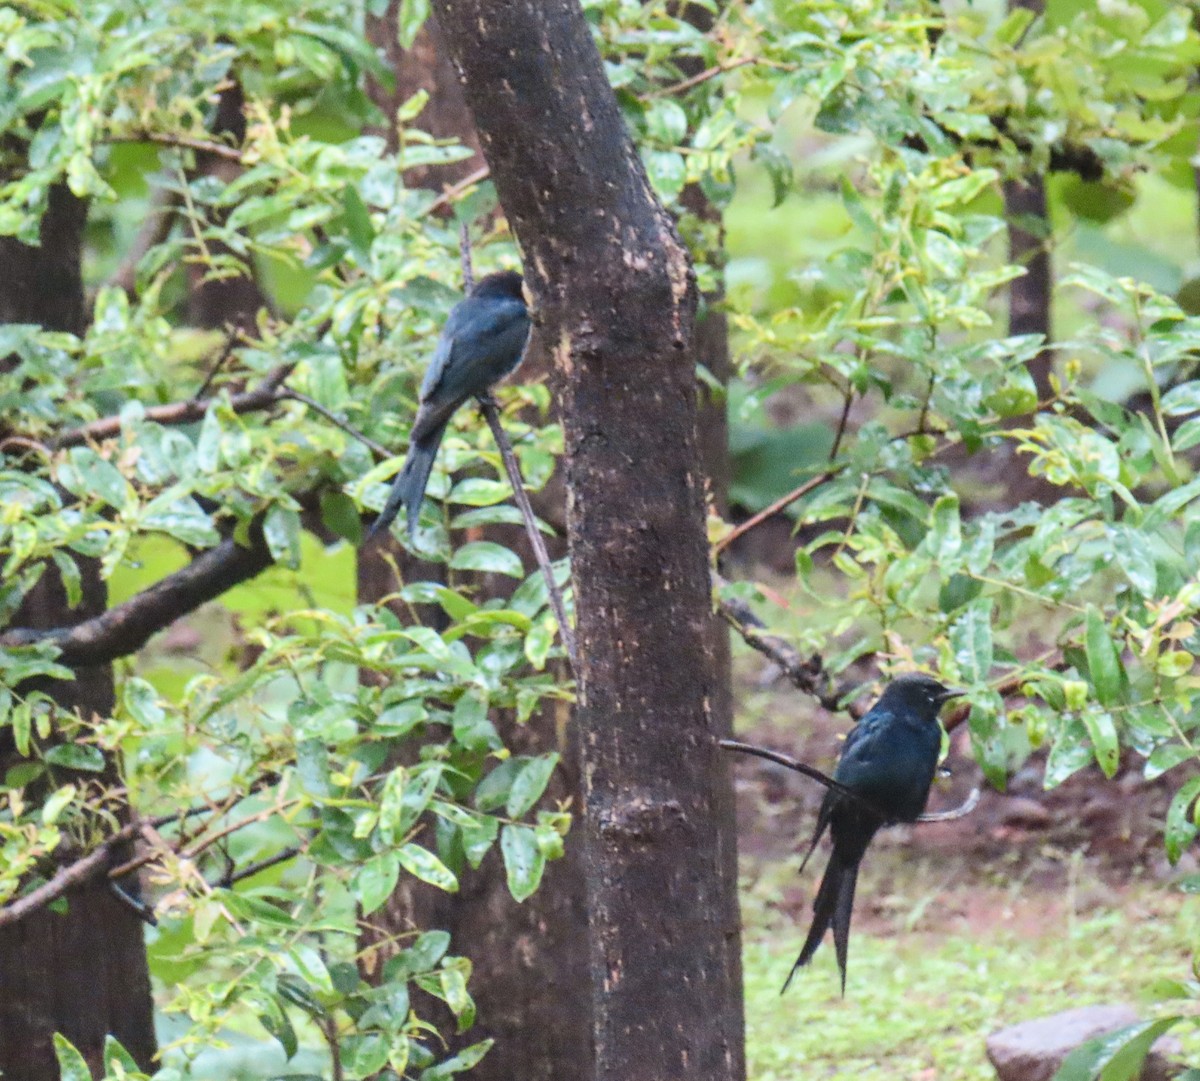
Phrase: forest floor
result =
(1035, 902)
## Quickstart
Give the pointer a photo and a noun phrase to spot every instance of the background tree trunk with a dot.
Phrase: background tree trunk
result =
(1029, 310)
(527, 959)
(616, 304)
(83, 972)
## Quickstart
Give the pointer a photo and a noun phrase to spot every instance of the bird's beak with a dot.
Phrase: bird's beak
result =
(948, 695)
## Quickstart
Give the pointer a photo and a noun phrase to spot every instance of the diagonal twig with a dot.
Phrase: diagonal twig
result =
(513, 468)
(780, 759)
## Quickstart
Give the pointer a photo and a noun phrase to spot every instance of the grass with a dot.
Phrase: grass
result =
(920, 1003)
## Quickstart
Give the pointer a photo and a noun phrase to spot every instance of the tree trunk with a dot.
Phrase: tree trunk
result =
(1029, 297)
(616, 303)
(235, 300)
(82, 972)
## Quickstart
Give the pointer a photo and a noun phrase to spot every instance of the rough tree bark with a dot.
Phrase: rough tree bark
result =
(527, 958)
(616, 303)
(83, 972)
(1029, 297)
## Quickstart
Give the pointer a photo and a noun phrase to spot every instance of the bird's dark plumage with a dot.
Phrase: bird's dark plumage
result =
(889, 760)
(483, 340)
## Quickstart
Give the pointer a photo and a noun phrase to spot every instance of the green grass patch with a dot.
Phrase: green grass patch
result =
(919, 1005)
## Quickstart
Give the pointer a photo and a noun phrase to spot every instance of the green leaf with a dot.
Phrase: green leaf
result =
(424, 865)
(141, 702)
(1135, 558)
(411, 18)
(945, 534)
(479, 492)
(1166, 757)
(97, 476)
(115, 1056)
(971, 640)
(523, 860)
(56, 803)
(71, 1064)
(375, 881)
(81, 756)
(1115, 1056)
(340, 516)
(72, 580)
(311, 966)
(454, 992)
(1103, 734)
(529, 784)
(1180, 828)
(493, 790)
(281, 528)
(478, 838)
(464, 1060)
(1071, 752)
(487, 557)
(1104, 660)
(361, 234)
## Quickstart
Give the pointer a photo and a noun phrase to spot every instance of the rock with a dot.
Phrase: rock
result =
(1034, 1050)
(1024, 813)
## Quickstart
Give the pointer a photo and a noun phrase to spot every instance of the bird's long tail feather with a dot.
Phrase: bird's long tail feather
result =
(832, 908)
(409, 487)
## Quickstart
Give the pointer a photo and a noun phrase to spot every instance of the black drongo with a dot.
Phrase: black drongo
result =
(889, 760)
(483, 340)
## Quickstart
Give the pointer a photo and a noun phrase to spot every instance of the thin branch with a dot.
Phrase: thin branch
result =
(806, 675)
(464, 249)
(124, 629)
(180, 142)
(263, 396)
(378, 449)
(226, 352)
(711, 73)
(842, 421)
(799, 767)
(1064, 157)
(780, 504)
(70, 877)
(251, 869)
(455, 190)
(144, 911)
(961, 811)
(492, 415)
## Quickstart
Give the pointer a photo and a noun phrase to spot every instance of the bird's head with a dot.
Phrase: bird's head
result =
(918, 694)
(504, 284)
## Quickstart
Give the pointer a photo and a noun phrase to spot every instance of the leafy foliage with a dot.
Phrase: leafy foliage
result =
(1038, 547)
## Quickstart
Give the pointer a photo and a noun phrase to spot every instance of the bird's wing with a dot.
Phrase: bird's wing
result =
(468, 357)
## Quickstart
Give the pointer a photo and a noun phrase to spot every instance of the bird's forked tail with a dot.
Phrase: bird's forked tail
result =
(832, 908)
(409, 487)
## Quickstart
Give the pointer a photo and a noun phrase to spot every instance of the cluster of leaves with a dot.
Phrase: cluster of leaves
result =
(332, 751)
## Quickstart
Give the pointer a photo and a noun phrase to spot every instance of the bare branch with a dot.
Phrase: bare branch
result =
(512, 466)
(806, 675)
(263, 396)
(787, 761)
(251, 869)
(711, 73)
(780, 504)
(70, 877)
(180, 142)
(455, 190)
(124, 629)
(378, 449)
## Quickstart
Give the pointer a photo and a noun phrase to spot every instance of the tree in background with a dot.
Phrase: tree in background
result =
(276, 762)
